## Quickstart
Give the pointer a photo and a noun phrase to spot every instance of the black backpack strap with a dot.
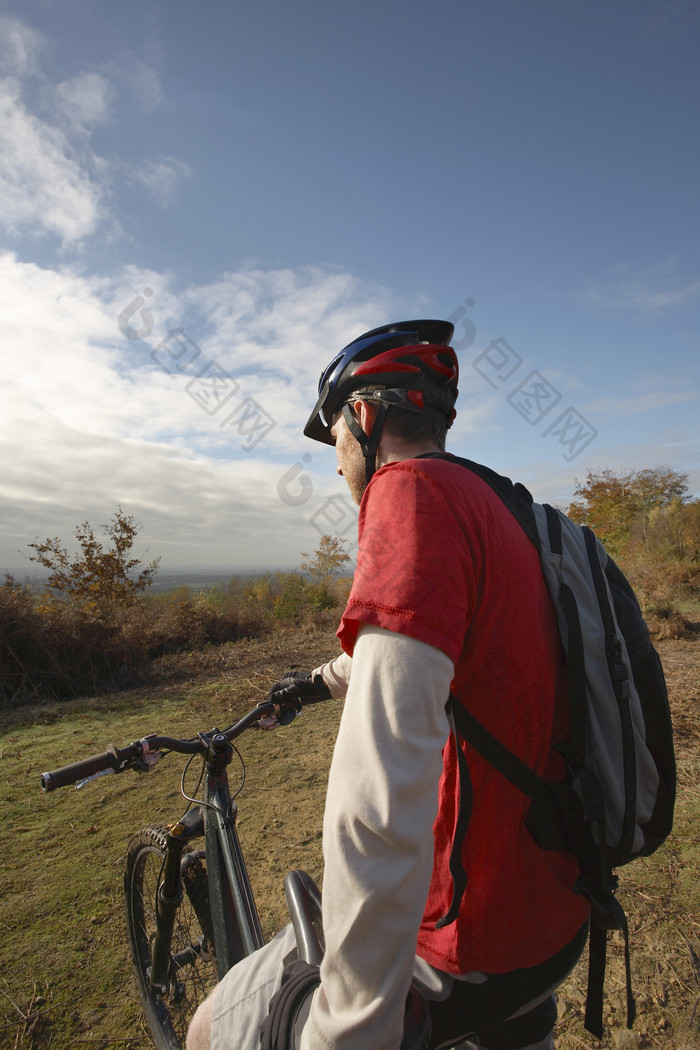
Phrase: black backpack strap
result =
(545, 814)
(464, 812)
(612, 917)
(555, 822)
(545, 819)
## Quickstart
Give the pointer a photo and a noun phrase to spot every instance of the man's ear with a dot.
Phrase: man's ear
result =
(365, 414)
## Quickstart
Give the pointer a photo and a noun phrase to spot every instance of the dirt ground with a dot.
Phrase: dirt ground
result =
(62, 928)
(661, 894)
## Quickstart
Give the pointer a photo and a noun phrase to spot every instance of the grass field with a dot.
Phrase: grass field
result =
(65, 977)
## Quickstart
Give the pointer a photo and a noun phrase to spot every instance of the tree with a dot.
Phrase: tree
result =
(674, 531)
(328, 560)
(618, 506)
(98, 577)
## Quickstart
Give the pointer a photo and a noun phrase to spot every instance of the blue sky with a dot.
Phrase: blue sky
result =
(199, 205)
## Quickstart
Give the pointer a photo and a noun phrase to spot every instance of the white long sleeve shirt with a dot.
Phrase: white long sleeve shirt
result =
(378, 835)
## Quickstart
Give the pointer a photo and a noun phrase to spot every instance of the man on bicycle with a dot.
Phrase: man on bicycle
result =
(447, 598)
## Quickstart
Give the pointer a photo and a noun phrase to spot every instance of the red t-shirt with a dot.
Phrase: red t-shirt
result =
(443, 561)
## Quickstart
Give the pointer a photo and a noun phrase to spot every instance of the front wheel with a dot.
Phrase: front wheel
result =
(192, 971)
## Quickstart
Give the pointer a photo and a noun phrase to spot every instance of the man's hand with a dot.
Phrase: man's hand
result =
(293, 691)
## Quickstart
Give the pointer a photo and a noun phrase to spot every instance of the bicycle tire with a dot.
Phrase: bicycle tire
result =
(193, 970)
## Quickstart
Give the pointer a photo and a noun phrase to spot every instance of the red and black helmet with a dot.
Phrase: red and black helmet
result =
(410, 360)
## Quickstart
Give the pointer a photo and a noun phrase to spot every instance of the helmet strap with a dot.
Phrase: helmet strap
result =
(369, 443)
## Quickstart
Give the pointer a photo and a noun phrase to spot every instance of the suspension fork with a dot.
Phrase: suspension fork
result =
(237, 930)
(170, 893)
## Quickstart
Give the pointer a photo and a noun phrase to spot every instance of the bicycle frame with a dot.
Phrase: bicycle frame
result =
(237, 930)
(235, 924)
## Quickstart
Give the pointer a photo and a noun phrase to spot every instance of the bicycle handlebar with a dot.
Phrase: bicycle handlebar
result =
(116, 759)
(80, 770)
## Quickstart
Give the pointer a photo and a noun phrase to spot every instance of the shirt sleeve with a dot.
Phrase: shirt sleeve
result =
(417, 568)
(336, 674)
(378, 839)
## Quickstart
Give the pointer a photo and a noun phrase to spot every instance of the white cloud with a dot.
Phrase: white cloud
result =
(43, 186)
(19, 47)
(141, 81)
(274, 330)
(161, 177)
(648, 292)
(89, 420)
(83, 101)
(47, 180)
(616, 406)
(670, 19)
(52, 181)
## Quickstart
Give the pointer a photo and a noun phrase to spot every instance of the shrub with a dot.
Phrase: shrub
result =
(184, 619)
(59, 649)
(21, 639)
(54, 647)
(294, 598)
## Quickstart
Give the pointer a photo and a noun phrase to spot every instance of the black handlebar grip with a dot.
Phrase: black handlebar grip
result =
(79, 770)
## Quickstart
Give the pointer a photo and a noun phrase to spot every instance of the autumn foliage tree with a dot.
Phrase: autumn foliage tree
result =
(102, 575)
(327, 560)
(649, 523)
(674, 530)
(618, 507)
(86, 631)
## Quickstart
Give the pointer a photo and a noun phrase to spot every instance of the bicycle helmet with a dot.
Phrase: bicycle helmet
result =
(413, 364)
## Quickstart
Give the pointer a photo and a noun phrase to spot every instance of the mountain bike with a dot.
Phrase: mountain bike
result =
(190, 910)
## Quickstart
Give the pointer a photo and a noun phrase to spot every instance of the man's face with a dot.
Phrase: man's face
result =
(351, 462)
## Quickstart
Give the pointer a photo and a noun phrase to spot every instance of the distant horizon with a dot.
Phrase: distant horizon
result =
(40, 573)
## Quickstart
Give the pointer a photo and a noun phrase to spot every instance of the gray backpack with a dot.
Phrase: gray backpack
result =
(616, 801)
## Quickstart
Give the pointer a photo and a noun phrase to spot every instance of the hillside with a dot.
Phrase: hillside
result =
(64, 971)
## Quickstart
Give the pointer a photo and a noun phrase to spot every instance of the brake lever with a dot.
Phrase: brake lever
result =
(143, 765)
(87, 780)
(147, 761)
